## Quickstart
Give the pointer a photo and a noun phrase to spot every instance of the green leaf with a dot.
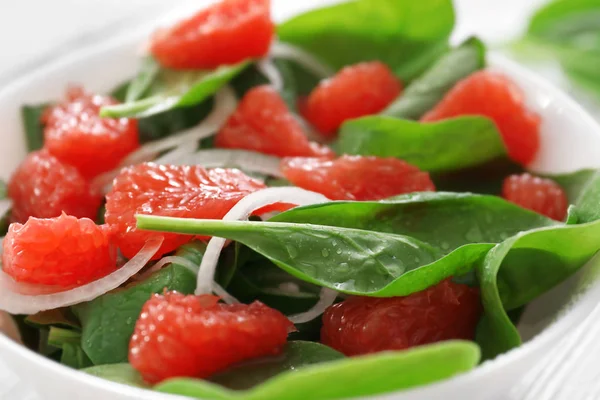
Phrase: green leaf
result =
(562, 18)
(574, 183)
(436, 147)
(350, 377)
(484, 179)
(109, 320)
(360, 259)
(143, 81)
(172, 121)
(427, 90)
(406, 35)
(34, 130)
(69, 341)
(447, 221)
(522, 268)
(587, 206)
(61, 317)
(119, 373)
(173, 89)
(366, 261)
(295, 355)
(74, 356)
(567, 30)
(3, 190)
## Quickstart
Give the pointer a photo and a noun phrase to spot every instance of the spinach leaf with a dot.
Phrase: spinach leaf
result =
(570, 32)
(436, 147)
(3, 190)
(143, 81)
(406, 35)
(70, 342)
(444, 220)
(120, 92)
(522, 268)
(61, 317)
(574, 183)
(296, 354)
(365, 260)
(484, 179)
(387, 372)
(109, 320)
(173, 89)
(561, 18)
(427, 90)
(358, 258)
(34, 130)
(587, 206)
(172, 121)
(263, 281)
(74, 356)
(119, 373)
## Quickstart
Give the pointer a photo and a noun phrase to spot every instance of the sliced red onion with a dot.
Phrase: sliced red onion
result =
(241, 211)
(270, 71)
(249, 161)
(17, 303)
(302, 57)
(327, 298)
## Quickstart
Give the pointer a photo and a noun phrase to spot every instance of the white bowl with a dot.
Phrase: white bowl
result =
(570, 141)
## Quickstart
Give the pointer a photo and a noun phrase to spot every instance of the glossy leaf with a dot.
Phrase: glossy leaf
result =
(427, 90)
(561, 18)
(62, 317)
(119, 373)
(295, 355)
(351, 377)
(3, 190)
(574, 183)
(567, 30)
(32, 124)
(143, 81)
(108, 321)
(364, 261)
(587, 206)
(341, 245)
(444, 220)
(406, 35)
(173, 89)
(522, 268)
(436, 147)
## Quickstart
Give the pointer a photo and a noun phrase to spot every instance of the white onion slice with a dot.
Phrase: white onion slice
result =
(16, 303)
(225, 105)
(302, 57)
(327, 298)
(270, 71)
(184, 262)
(241, 211)
(249, 161)
(5, 205)
(174, 156)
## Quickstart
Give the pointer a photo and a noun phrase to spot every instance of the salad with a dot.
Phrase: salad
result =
(336, 206)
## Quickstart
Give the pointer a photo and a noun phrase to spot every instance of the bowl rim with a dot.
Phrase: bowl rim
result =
(550, 334)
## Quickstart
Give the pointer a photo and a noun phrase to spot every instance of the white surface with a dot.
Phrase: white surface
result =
(100, 68)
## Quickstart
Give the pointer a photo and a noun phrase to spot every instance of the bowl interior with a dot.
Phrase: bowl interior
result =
(570, 141)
